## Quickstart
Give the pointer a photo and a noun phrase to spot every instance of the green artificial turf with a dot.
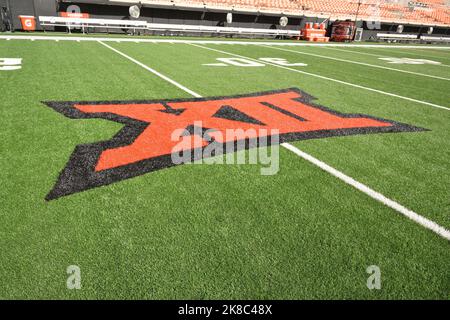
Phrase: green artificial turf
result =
(223, 231)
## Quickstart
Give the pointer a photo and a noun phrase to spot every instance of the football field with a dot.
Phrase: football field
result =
(86, 180)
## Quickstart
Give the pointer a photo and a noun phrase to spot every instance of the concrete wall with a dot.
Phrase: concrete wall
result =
(45, 8)
(160, 15)
(195, 17)
(20, 7)
(2, 22)
(32, 8)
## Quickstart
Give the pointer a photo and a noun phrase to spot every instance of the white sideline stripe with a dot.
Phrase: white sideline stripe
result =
(153, 71)
(375, 195)
(359, 63)
(179, 41)
(424, 222)
(329, 79)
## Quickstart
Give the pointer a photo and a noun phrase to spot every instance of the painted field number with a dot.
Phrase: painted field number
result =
(283, 62)
(409, 61)
(242, 62)
(7, 64)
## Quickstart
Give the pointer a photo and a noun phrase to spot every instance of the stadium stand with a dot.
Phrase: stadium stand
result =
(425, 12)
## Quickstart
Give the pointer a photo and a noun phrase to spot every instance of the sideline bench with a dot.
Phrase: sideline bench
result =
(85, 23)
(435, 39)
(397, 37)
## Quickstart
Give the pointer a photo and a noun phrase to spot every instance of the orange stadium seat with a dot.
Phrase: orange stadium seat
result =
(422, 12)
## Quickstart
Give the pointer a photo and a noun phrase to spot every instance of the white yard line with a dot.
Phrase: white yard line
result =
(358, 63)
(327, 78)
(152, 71)
(424, 222)
(180, 41)
(365, 189)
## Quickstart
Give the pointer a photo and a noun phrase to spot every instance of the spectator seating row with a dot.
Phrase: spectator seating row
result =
(430, 12)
